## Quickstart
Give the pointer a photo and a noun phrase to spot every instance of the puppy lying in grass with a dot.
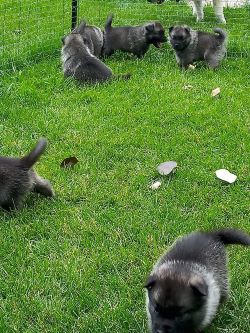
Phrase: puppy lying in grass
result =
(17, 178)
(190, 45)
(136, 40)
(79, 63)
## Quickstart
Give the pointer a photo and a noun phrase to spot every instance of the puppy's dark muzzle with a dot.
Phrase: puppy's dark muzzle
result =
(157, 43)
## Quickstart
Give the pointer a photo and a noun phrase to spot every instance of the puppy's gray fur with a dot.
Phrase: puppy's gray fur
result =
(92, 37)
(190, 45)
(136, 40)
(17, 178)
(78, 62)
(188, 283)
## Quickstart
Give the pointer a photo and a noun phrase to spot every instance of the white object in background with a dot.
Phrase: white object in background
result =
(155, 185)
(225, 175)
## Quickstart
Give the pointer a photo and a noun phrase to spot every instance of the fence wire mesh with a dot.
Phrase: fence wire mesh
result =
(33, 28)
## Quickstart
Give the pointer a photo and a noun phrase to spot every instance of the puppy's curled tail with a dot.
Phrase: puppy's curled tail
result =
(29, 160)
(108, 24)
(123, 76)
(222, 34)
(231, 236)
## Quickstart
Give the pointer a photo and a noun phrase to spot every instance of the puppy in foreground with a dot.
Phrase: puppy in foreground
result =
(17, 178)
(92, 36)
(78, 62)
(190, 45)
(136, 40)
(188, 283)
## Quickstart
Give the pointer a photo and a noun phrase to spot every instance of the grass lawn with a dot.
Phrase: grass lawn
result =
(78, 263)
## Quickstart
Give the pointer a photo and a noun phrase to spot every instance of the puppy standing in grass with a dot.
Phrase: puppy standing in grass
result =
(190, 45)
(17, 178)
(136, 40)
(188, 283)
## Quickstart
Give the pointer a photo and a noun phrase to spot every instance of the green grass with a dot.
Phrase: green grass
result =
(77, 263)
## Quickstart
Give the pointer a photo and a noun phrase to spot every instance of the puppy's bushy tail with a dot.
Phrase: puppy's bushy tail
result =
(29, 160)
(231, 236)
(221, 34)
(108, 24)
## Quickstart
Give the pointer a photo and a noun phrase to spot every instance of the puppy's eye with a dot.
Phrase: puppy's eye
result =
(157, 308)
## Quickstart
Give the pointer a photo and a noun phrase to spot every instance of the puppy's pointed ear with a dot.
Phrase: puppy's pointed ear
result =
(170, 29)
(150, 283)
(81, 27)
(150, 27)
(187, 29)
(199, 285)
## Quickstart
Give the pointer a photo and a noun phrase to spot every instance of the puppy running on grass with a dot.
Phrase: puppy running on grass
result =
(188, 283)
(79, 63)
(17, 178)
(136, 40)
(190, 45)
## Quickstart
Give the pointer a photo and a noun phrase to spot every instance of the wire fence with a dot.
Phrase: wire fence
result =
(30, 29)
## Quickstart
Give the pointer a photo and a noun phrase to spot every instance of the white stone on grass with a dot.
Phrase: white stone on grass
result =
(226, 176)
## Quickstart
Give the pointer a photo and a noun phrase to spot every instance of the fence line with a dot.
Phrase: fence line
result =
(33, 28)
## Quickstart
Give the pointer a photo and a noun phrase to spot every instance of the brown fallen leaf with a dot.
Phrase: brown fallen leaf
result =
(69, 162)
(215, 92)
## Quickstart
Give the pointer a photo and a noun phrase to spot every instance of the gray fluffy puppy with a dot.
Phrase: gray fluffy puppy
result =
(136, 40)
(17, 178)
(92, 36)
(78, 62)
(188, 283)
(190, 45)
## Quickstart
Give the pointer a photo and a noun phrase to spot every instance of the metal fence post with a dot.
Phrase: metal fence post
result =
(74, 14)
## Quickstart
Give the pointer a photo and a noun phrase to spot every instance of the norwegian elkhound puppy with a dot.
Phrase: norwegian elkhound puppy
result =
(93, 37)
(78, 62)
(188, 283)
(190, 45)
(17, 178)
(136, 40)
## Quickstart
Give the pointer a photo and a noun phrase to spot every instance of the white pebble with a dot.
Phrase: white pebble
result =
(155, 185)
(226, 176)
